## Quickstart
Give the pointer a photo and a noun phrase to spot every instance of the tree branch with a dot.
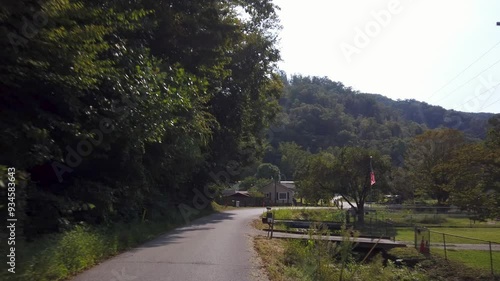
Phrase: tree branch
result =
(349, 202)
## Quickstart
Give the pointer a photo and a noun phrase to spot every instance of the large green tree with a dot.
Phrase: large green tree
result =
(352, 179)
(120, 109)
(346, 172)
(427, 157)
(315, 177)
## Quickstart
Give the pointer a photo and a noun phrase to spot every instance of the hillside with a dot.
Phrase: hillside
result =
(318, 113)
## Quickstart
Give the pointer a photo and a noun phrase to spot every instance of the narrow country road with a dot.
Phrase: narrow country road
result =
(218, 247)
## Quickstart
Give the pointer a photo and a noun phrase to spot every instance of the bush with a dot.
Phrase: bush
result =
(405, 253)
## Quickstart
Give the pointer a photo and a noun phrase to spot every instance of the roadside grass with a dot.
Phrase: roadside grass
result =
(488, 234)
(471, 258)
(272, 254)
(61, 256)
(317, 259)
(292, 260)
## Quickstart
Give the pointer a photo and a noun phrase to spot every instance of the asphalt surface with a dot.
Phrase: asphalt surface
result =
(218, 247)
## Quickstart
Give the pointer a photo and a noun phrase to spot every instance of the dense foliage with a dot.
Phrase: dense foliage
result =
(121, 110)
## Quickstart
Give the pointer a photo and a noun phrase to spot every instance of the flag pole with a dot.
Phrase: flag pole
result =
(372, 174)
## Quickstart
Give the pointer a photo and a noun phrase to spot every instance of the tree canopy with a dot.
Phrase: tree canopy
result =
(118, 109)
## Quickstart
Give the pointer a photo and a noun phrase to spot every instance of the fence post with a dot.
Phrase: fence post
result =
(429, 250)
(444, 243)
(491, 259)
(415, 230)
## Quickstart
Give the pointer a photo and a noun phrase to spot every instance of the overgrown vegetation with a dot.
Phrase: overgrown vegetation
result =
(309, 214)
(318, 260)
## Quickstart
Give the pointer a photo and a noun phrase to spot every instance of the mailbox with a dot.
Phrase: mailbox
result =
(269, 215)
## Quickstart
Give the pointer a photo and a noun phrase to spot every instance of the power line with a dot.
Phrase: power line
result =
(489, 104)
(498, 84)
(470, 80)
(489, 50)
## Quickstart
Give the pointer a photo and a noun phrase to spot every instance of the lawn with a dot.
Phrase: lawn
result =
(488, 234)
(407, 217)
(308, 214)
(475, 259)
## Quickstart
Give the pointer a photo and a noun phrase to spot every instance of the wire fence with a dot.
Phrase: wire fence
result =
(411, 215)
(473, 252)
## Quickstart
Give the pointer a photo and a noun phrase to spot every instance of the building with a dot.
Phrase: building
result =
(230, 197)
(281, 193)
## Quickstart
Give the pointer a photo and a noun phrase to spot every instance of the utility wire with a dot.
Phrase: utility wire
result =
(489, 50)
(470, 80)
(498, 84)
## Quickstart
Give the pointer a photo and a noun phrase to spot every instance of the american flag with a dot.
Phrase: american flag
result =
(372, 174)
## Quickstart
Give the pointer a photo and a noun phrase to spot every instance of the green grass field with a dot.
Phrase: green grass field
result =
(475, 259)
(428, 219)
(488, 234)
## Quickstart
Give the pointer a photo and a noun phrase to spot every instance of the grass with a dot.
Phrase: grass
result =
(488, 234)
(322, 260)
(474, 259)
(436, 268)
(409, 217)
(271, 252)
(296, 261)
(61, 256)
(308, 214)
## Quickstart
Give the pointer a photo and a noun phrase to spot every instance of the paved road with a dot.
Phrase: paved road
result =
(218, 247)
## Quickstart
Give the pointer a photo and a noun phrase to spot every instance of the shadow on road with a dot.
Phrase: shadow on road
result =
(175, 235)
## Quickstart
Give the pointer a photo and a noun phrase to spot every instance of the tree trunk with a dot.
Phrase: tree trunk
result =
(361, 213)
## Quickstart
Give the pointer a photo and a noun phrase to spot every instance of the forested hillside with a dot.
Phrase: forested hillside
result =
(333, 140)
(319, 113)
(116, 111)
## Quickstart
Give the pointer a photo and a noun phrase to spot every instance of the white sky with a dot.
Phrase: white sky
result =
(411, 54)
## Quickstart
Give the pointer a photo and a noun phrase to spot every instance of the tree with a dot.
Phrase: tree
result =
(351, 179)
(344, 171)
(267, 171)
(253, 182)
(472, 188)
(124, 106)
(315, 178)
(293, 158)
(426, 157)
(475, 175)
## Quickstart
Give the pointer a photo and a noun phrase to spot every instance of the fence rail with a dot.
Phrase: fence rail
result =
(474, 252)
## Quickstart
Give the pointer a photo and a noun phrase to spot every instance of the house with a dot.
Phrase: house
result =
(235, 193)
(280, 192)
(231, 196)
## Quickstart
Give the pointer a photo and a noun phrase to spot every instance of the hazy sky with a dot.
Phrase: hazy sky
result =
(406, 49)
